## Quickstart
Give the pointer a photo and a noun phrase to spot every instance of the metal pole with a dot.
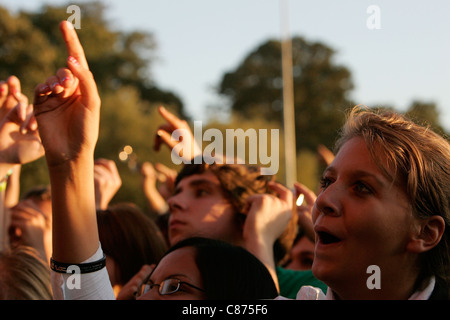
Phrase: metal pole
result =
(288, 98)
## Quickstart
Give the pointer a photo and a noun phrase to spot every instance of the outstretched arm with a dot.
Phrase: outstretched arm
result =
(267, 218)
(67, 110)
(19, 141)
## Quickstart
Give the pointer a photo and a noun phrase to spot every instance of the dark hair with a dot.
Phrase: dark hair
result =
(41, 192)
(238, 182)
(229, 272)
(129, 237)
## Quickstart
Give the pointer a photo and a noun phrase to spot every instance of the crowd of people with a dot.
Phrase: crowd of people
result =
(223, 231)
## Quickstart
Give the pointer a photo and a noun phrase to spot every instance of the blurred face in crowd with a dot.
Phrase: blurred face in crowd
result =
(301, 255)
(31, 224)
(360, 218)
(199, 208)
(178, 265)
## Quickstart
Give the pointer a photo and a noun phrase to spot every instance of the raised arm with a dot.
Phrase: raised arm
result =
(107, 182)
(67, 110)
(267, 218)
(19, 141)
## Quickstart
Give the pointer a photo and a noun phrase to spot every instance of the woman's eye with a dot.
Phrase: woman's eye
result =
(324, 182)
(361, 187)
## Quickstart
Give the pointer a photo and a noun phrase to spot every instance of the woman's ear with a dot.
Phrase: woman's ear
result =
(427, 235)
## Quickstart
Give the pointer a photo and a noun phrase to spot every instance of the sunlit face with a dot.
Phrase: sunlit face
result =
(179, 264)
(199, 208)
(360, 219)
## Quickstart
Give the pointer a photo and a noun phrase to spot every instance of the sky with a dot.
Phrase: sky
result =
(396, 54)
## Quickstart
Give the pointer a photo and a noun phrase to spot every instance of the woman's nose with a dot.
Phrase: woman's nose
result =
(328, 201)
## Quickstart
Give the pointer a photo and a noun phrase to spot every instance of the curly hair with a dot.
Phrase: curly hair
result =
(238, 182)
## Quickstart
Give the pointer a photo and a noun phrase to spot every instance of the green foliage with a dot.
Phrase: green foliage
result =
(238, 121)
(20, 41)
(427, 114)
(123, 123)
(320, 87)
(32, 49)
(309, 169)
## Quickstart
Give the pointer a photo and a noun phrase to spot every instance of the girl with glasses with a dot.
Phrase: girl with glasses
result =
(201, 268)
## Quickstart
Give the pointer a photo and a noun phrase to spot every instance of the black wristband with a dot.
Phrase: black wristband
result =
(62, 267)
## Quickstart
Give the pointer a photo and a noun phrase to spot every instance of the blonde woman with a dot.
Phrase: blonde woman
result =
(383, 211)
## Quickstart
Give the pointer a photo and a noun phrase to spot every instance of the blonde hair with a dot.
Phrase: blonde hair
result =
(24, 276)
(415, 158)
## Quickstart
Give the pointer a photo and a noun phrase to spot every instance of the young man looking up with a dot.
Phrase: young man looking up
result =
(234, 203)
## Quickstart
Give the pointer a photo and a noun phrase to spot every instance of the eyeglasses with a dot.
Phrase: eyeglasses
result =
(166, 287)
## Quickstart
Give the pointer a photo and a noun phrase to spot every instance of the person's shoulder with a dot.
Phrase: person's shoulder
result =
(290, 281)
(294, 274)
(441, 291)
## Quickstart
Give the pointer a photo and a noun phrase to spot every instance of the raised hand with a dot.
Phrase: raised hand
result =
(19, 139)
(107, 182)
(131, 289)
(67, 106)
(325, 154)
(157, 196)
(164, 135)
(67, 110)
(268, 216)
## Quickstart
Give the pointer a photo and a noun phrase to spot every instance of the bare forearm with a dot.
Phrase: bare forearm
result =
(156, 201)
(75, 233)
(259, 248)
(13, 187)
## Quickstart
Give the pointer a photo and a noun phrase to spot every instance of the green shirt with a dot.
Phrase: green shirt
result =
(290, 281)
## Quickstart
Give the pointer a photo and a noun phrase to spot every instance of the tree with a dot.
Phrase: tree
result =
(320, 89)
(19, 43)
(426, 113)
(31, 48)
(116, 58)
(122, 123)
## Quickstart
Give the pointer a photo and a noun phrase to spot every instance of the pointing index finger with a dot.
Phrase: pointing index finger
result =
(170, 117)
(73, 44)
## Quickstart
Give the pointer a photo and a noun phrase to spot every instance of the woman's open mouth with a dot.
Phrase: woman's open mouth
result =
(326, 238)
